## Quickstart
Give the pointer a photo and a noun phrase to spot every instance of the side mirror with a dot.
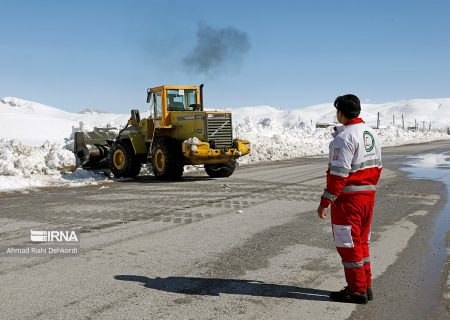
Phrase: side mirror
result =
(149, 96)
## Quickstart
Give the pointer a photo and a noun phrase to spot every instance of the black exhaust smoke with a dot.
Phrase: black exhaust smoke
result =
(217, 49)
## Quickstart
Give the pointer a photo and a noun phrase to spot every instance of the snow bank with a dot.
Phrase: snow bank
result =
(276, 138)
(282, 134)
(36, 140)
(395, 136)
(23, 166)
(17, 159)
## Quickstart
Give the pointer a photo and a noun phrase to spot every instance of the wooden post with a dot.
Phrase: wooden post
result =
(378, 120)
(423, 126)
(429, 127)
(393, 120)
(403, 122)
(415, 125)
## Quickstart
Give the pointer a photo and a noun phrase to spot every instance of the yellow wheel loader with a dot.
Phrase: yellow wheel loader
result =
(178, 133)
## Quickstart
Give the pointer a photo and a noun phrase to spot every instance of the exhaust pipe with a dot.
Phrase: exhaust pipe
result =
(201, 95)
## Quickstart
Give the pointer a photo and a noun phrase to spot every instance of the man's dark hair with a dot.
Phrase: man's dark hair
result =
(349, 105)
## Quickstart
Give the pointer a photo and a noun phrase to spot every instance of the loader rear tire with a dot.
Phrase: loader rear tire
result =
(167, 159)
(221, 170)
(123, 161)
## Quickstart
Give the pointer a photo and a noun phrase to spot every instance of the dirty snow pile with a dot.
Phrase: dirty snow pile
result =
(36, 140)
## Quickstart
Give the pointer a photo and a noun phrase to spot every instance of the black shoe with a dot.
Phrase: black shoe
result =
(369, 294)
(345, 295)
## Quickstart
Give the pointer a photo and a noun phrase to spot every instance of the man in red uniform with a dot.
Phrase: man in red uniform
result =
(353, 173)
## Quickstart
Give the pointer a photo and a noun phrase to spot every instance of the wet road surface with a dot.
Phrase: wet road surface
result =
(247, 247)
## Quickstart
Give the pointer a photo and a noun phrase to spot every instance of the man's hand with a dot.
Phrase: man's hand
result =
(322, 212)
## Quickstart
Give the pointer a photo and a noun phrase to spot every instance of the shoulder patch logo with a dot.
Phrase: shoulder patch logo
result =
(336, 152)
(369, 141)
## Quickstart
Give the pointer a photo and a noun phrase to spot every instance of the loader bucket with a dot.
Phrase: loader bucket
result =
(92, 148)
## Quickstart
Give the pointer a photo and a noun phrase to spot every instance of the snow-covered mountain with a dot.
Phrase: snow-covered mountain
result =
(35, 139)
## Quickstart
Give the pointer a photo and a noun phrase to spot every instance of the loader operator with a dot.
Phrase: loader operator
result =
(353, 173)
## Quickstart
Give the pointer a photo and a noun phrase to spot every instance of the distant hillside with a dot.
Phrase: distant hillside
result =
(34, 123)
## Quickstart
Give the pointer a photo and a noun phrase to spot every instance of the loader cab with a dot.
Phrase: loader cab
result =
(167, 99)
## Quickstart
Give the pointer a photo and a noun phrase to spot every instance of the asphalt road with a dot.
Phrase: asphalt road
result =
(247, 247)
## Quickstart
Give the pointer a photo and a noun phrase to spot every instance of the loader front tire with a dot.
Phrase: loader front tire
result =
(167, 159)
(221, 170)
(123, 161)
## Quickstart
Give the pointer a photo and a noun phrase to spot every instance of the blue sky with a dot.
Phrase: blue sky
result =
(104, 54)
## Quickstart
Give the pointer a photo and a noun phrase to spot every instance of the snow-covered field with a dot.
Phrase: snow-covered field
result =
(36, 140)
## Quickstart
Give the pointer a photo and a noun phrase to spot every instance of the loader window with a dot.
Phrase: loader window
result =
(158, 105)
(180, 100)
(191, 98)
